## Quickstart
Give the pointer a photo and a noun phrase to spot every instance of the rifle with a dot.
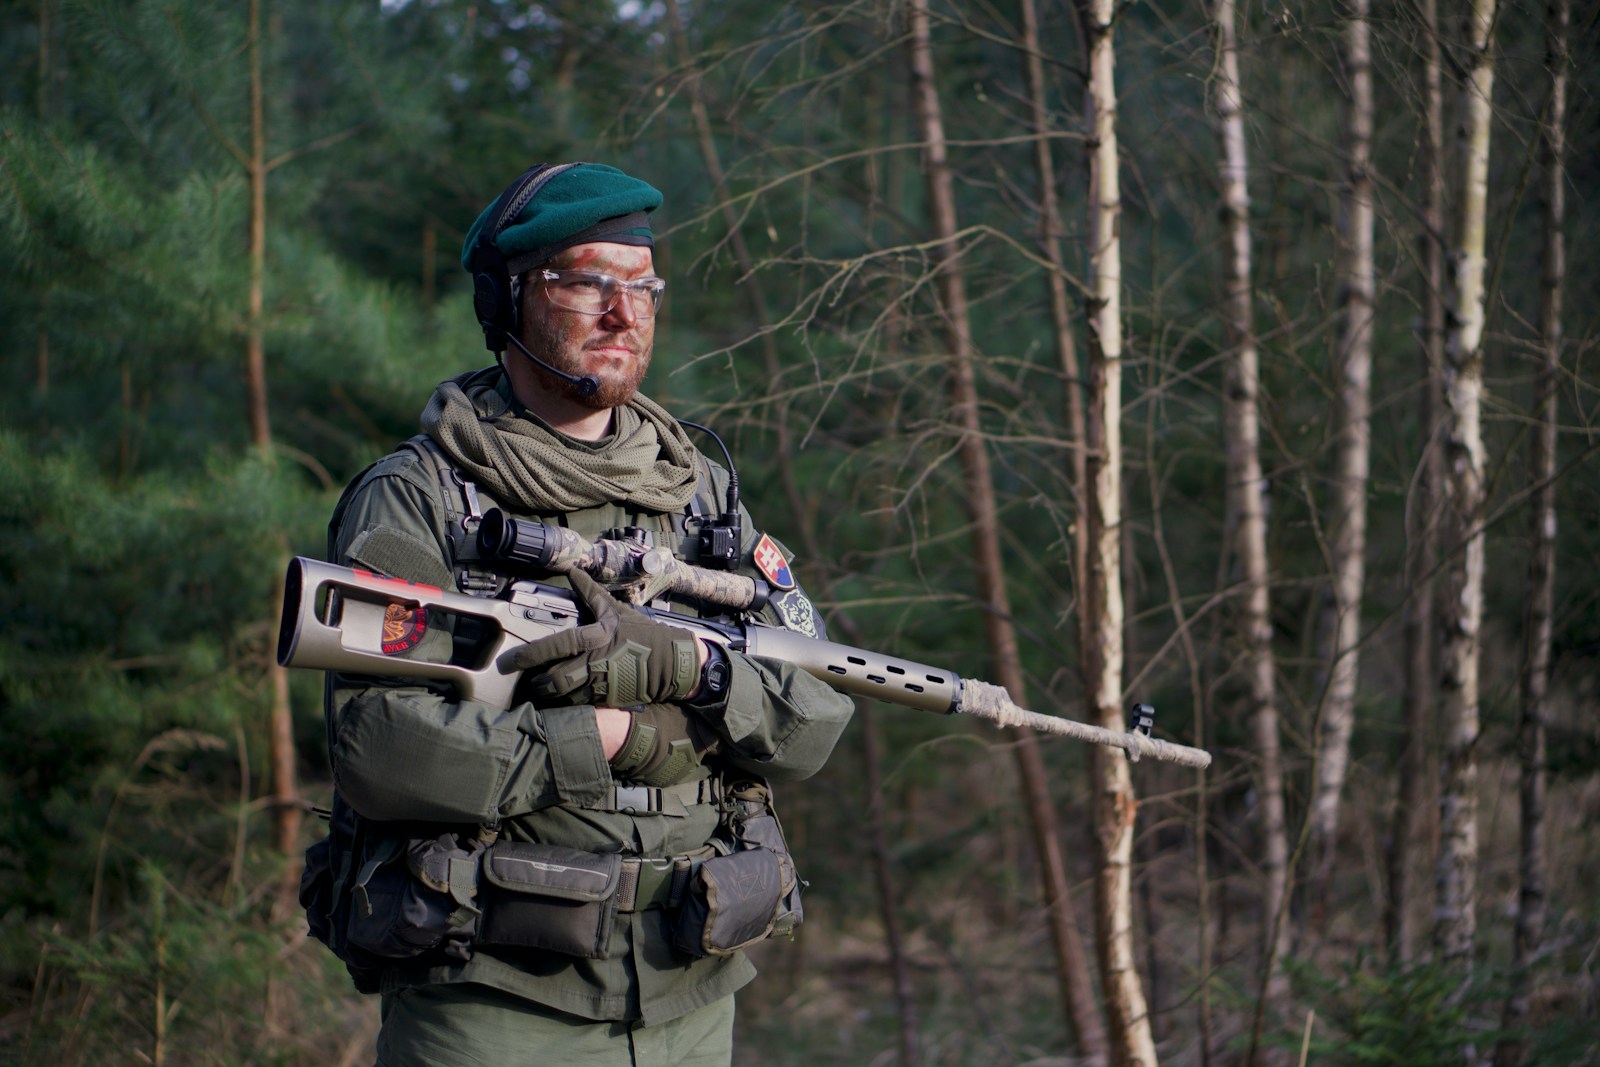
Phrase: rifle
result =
(344, 619)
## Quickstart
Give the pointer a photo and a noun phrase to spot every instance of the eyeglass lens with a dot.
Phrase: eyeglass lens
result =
(595, 294)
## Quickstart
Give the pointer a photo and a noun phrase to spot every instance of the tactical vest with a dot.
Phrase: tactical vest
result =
(378, 895)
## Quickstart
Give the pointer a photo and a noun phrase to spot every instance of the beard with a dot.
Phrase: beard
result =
(618, 384)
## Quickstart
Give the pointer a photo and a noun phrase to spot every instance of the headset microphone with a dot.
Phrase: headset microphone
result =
(586, 384)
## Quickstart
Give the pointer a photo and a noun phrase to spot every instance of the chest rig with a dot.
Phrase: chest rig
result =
(378, 895)
(465, 504)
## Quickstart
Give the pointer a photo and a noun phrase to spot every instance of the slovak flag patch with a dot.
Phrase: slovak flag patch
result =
(770, 562)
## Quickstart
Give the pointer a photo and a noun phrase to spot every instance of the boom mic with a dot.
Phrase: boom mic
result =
(586, 384)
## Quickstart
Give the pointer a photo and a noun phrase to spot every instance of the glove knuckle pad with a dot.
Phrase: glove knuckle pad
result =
(628, 674)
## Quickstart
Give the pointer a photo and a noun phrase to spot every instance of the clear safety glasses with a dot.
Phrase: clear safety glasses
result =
(591, 293)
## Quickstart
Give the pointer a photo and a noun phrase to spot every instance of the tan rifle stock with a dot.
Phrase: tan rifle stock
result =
(334, 619)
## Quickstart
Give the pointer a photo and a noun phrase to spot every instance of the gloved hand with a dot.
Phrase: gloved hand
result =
(620, 657)
(665, 745)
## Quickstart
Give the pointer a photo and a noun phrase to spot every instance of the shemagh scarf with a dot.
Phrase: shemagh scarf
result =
(648, 462)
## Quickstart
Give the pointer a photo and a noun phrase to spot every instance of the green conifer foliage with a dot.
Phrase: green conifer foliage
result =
(140, 535)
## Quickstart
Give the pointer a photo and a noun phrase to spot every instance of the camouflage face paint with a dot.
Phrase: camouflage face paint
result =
(615, 347)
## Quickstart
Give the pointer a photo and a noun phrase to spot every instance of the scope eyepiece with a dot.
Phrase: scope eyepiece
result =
(514, 541)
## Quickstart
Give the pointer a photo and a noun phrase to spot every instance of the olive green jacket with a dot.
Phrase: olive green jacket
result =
(413, 753)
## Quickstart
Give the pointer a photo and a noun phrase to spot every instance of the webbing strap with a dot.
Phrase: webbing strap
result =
(463, 512)
(650, 882)
(669, 800)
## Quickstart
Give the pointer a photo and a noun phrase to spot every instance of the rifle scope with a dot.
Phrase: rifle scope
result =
(526, 542)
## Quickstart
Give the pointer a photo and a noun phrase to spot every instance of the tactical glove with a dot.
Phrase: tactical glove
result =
(665, 745)
(619, 658)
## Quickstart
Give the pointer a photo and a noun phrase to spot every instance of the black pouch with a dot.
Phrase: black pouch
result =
(395, 913)
(733, 904)
(749, 894)
(763, 832)
(360, 900)
(317, 890)
(548, 897)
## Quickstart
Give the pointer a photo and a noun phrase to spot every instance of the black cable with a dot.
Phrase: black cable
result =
(728, 557)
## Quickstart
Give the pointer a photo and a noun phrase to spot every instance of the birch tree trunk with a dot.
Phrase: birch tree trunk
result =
(1542, 565)
(1242, 430)
(1455, 924)
(1410, 840)
(1101, 627)
(1353, 436)
(1076, 992)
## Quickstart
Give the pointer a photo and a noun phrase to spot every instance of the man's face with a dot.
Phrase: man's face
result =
(614, 347)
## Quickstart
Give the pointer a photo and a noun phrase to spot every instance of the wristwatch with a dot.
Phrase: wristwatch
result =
(715, 679)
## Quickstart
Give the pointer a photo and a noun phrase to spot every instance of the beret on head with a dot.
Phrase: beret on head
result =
(584, 202)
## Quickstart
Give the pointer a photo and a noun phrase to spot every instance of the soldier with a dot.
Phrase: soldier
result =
(530, 885)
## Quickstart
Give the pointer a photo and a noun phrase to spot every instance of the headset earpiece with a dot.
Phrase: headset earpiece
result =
(492, 299)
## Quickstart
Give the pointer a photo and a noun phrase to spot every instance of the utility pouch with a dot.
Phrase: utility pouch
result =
(750, 893)
(548, 897)
(413, 895)
(317, 890)
(733, 903)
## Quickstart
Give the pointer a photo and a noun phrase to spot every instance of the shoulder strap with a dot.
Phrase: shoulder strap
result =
(704, 503)
(459, 496)
(463, 512)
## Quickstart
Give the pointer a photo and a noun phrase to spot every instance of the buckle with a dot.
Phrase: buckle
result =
(469, 492)
(637, 798)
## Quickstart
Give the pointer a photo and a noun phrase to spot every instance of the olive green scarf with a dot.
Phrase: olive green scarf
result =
(647, 462)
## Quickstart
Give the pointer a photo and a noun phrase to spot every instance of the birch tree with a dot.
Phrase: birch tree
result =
(1242, 430)
(1463, 533)
(1115, 808)
(1542, 563)
(1353, 444)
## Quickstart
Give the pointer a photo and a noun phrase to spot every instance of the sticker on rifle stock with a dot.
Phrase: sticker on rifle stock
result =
(770, 562)
(403, 628)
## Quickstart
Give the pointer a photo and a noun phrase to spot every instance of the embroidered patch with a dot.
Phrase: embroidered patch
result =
(770, 562)
(797, 613)
(403, 628)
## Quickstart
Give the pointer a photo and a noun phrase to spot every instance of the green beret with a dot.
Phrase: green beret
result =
(585, 202)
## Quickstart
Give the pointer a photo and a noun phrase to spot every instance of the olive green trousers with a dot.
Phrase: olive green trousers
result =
(466, 1025)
